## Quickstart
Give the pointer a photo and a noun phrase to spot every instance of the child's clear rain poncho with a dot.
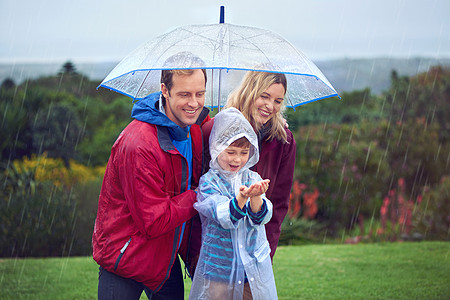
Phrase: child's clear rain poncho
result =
(234, 250)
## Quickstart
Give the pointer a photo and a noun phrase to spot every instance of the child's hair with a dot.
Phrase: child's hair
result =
(242, 142)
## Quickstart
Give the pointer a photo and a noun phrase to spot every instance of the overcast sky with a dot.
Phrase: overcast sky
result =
(100, 30)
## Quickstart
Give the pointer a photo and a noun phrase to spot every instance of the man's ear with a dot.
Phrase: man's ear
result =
(165, 91)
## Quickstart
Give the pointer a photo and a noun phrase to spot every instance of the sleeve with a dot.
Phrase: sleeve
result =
(263, 216)
(281, 177)
(258, 217)
(236, 213)
(212, 203)
(142, 175)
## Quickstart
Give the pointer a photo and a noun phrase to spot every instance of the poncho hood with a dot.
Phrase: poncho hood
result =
(230, 125)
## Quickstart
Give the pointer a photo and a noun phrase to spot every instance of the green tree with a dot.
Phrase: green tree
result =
(355, 165)
(426, 96)
(56, 131)
(352, 108)
(68, 68)
(96, 149)
(8, 83)
(430, 217)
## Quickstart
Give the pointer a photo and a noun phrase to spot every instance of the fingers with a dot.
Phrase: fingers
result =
(265, 185)
(256, 189)
(247, 191)
(252, 190)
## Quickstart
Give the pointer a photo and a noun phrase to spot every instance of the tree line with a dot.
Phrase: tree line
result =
(352, 151)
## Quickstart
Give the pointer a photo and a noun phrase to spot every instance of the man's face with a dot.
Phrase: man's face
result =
(186, 99)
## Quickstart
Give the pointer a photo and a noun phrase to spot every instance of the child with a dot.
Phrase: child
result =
(233, 209)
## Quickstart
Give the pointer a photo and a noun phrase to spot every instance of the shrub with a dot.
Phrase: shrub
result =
(355, 166)
(396, 215)
(431, 219)
(54, 170)
(299, 226)
(300, 231)
(37, 218)
(47, 209)
(299, 199)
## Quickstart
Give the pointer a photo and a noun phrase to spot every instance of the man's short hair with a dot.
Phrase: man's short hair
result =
(186, 60)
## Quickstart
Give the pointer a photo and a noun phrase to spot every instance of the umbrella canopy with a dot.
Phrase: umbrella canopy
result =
(228, 52)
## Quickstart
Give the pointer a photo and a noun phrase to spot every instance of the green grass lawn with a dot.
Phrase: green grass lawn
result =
(362, 271)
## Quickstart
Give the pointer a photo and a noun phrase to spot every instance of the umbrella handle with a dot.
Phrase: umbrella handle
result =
(218, 94)
(222, 14)
(221, 21)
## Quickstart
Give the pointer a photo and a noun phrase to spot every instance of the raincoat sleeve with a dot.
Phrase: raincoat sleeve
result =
(261, 217)
(265, 214)
(237, 213)
(213, 200)
(142, 176)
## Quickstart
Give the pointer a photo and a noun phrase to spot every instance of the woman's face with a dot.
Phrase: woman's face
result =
(269, 103)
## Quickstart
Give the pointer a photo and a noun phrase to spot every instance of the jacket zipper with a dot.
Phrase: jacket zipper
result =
(122, 251)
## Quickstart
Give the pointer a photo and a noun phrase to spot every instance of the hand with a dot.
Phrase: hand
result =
(256, 200)
(256, 189)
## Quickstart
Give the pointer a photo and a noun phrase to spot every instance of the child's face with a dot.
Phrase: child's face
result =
(233, 158)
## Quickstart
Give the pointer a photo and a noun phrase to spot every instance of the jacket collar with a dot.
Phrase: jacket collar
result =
(164, 140)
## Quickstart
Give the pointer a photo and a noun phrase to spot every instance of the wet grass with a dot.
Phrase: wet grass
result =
(362, 271)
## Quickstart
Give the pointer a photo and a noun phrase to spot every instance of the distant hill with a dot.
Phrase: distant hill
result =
(348, 74)
(19, 72)
(345, 75)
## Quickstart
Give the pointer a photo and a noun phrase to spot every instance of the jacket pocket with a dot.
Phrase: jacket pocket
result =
(122, 251)
(262, 252)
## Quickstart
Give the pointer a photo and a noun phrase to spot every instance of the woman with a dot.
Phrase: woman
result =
(260, 98)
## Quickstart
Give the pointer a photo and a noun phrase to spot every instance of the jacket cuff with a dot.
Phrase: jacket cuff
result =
(258, 217)
(236, 213)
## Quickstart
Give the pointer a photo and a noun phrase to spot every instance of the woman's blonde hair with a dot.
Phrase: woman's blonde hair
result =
(252, 87)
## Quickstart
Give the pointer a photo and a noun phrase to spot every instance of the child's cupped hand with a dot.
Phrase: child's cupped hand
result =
(256, 189)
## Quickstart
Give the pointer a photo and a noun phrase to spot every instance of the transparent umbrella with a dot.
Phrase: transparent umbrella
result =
(228, 52)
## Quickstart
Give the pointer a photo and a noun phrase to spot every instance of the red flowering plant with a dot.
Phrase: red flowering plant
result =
(396, 218)
(300, 226)
(299, 196)
(396, 214)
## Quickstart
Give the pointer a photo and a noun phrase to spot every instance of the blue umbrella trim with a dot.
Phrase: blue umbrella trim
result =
(218, 68)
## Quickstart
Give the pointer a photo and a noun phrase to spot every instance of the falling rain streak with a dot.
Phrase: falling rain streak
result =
(57, 134)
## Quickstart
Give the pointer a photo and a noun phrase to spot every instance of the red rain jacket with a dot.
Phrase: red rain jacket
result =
(143, 204)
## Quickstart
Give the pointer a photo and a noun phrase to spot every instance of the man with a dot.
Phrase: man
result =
(146, 200)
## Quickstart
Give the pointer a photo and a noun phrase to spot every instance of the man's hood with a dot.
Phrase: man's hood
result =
(147, 110)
